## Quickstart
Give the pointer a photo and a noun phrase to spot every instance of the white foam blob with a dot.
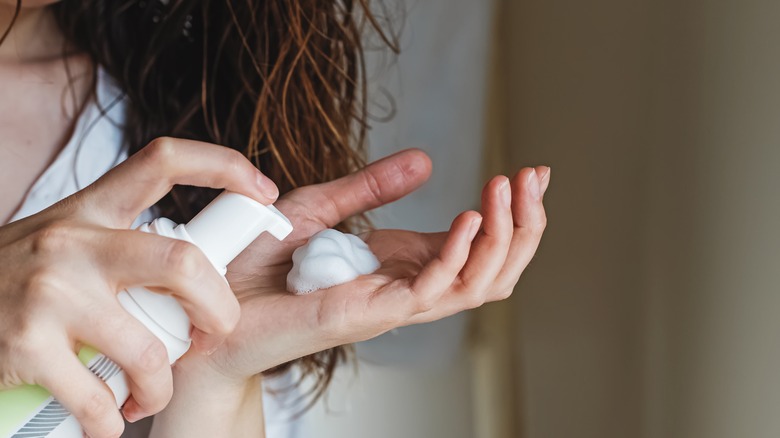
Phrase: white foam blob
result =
(329, 258)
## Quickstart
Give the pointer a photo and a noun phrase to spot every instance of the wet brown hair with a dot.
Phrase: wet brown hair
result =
(282, 81)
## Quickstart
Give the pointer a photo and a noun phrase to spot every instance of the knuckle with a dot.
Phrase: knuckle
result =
(372, 185)
(542, 224)
(97, 409)
(504, 294)
(232, 163)
(235, 160)
(533, 227)
(53, 238)
(423, 300)
(474, 300)
(539, 225)
(182, 258)
(425, 303)
(161, 151)
(153, 357)
(308, 196)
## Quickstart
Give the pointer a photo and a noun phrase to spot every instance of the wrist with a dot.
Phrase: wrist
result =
(198, 372)
(208, 403)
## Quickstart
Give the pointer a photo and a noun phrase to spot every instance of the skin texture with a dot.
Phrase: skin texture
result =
(424, 277)
(34, 35)
(63, 267)
(35, 91)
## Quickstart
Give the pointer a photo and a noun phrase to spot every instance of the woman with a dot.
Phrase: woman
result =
(279, 85)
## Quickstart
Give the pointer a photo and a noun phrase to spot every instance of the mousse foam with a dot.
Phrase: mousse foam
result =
(329, 258)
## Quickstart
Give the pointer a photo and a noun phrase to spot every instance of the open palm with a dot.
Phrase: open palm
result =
(423, 277)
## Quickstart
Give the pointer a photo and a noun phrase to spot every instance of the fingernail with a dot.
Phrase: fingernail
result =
(474, 227)
(533, 186)
(267, 187)
(545, 180)
(130, 414)
(506, 193)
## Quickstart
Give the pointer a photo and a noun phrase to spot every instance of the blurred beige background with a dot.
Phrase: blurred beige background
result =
(651, 308)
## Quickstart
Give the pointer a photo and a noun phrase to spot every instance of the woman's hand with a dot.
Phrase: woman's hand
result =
(60, 271)
(424, 277)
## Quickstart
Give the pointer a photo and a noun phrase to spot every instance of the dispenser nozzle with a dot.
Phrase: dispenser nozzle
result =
(230, 223)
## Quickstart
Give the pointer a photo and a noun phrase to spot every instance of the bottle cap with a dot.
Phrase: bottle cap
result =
(230, 223)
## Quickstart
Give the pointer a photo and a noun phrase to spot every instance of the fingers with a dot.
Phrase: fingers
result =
(440, 273)
(530, 220)
(379, 183)
(512, 230)
(82, 394)
(489, 251)
(179, 268)
(124, 192)
(138, 352)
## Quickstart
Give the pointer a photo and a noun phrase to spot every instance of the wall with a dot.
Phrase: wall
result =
(576, 81)
(650, 309)
(716, 363)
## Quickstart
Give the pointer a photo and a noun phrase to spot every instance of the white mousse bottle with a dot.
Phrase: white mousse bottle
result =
(221, 230)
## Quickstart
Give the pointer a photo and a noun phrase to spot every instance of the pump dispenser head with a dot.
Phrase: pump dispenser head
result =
(223, 229)
(230, 223)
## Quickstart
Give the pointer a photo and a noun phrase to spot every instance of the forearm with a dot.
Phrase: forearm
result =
(205, 404)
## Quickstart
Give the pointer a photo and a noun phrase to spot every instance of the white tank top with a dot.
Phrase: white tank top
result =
(95, 148)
